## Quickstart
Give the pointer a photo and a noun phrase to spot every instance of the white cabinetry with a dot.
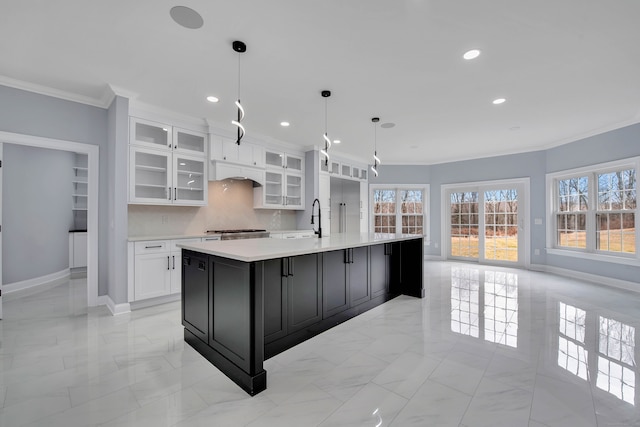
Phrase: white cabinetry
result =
(364, 207)
(167, 165)
(226, 150)
(77, 249)
(324, 196)
(345, 170)
(157, 268)
(283, 182)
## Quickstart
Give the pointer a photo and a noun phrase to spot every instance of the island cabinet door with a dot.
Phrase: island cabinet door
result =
(304, 288)
(195, 294)
(380, 268)
(275, 299)
(335, 289)
(359, 290)
(236, 301)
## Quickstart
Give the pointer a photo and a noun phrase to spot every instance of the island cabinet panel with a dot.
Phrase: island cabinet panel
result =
(231, 310)
(304, 289)
(275, 300)
(335, 289)
(380, 268)
(359, 290)
(195, 291)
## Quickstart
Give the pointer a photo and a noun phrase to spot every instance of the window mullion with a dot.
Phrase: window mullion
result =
(592, 207)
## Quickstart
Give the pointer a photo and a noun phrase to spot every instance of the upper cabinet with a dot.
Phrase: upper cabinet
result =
(345, 170)
(150, 134)
(226, 150)
(167, 165)
(283, 184)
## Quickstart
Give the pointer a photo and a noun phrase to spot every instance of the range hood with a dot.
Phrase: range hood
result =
(222, 170)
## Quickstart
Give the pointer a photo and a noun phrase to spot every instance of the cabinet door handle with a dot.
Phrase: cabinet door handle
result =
(290, 266)
(346, 256)
(175, 193)
(202, 266)
(186, 261)
(351, 255)
(388, 249)
(174, 261)
(153, 247)
(169, 192)
(285, 267)
(168, 263)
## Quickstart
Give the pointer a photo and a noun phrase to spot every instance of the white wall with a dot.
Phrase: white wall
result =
(36, 210)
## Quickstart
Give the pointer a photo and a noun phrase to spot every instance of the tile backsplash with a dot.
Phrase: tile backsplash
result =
(230, 206)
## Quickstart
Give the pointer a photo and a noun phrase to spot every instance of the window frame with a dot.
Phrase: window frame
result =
(590, 252)
(426, 228)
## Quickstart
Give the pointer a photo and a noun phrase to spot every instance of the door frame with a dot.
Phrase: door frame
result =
(92, 152)
(481, 186)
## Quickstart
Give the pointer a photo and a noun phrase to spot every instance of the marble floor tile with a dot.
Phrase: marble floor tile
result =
(537, 350)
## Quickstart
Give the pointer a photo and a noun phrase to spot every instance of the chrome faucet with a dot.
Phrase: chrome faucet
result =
(319, 232)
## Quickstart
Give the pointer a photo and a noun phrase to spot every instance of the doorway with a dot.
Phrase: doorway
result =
(92, 153)
(486, 222)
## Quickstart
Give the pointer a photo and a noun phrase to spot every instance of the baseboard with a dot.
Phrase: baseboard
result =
(433, 258)
(114, 308)
(35, 282)
(588, 277)
(155, 301)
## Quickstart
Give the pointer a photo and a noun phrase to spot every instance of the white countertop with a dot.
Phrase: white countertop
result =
(250, 250)
(168, 237)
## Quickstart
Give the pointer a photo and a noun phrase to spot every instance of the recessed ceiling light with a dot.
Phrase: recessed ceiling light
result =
(471, 54)
(186, 17)
(336, 141)
(387, 125)
(284, 124)
(212, 99)
(499, 101)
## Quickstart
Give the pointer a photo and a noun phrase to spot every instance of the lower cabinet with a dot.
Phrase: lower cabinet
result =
(275, 300)
(359, 290)
(292, 295)
(195, 294)
(304, 291)
(380, 268)
(335, 295)
(157, 270)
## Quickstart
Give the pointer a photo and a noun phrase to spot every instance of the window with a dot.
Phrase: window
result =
(594, 209)
(399, 210)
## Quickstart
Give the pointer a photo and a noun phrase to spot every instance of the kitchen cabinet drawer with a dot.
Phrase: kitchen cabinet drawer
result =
(173, 244)
(152, 247)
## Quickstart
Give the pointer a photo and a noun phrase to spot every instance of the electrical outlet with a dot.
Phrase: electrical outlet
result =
(536, 251)
(165, 219)
(435, 245)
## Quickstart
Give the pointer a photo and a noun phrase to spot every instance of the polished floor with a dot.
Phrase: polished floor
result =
(486, 347)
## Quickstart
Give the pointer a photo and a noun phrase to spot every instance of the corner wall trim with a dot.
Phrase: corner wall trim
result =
(115, 309)
(35, 282)
(593, 278)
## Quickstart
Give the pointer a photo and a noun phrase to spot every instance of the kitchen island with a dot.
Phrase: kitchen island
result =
(244, 301)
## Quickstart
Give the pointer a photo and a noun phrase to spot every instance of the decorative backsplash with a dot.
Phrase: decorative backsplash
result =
(230, 206)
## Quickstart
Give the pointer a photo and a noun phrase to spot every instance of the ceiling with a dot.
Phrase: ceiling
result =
(568, 69)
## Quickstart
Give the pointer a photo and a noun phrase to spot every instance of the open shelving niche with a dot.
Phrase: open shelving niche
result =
(79, 191)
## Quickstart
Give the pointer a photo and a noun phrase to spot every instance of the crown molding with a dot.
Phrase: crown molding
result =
(47, 91)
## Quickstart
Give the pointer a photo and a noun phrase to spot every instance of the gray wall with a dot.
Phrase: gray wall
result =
(117, 159)
(36, 211)
(618, 144)
(39, 115)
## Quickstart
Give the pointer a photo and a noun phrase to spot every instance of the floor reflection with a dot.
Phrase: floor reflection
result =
(497, 293)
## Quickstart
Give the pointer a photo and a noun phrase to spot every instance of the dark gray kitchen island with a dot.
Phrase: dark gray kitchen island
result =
(244, 301)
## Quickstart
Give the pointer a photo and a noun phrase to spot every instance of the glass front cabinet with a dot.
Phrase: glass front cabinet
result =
(167, 165)
(284, 183)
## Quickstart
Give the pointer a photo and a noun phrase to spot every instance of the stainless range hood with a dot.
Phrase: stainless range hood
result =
(222, 170)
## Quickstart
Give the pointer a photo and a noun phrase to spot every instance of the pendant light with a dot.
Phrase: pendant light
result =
(376, 159)
(327, 142)
(239, 47)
